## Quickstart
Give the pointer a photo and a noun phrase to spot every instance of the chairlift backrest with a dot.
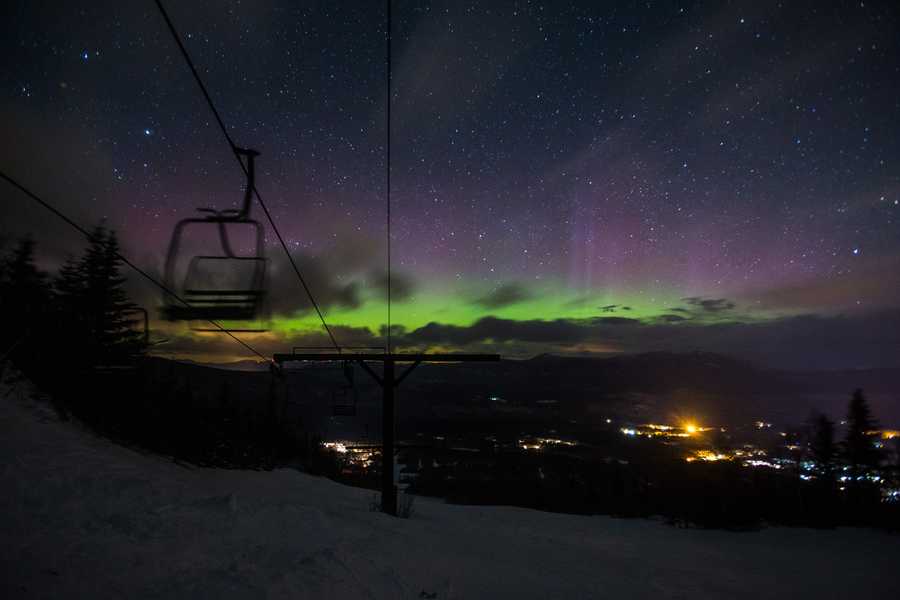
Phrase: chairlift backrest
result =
(344, 398)
(241, 296)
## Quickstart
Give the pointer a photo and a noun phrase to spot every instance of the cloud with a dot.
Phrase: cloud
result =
(712, 305)
(616, 321)
(403, 286)
(347, 278)
(798, 342)
(499, 330)
(505, 295)
(217, 347)
(671, 318)
(328, 286)
(396, 330)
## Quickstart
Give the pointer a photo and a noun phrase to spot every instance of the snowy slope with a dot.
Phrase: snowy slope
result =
(81, 517)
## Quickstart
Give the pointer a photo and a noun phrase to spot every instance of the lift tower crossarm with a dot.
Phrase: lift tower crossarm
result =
(381, 357)
(388, 382)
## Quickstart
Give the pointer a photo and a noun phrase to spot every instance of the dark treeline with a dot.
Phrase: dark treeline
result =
(80, 318)
(83, 342)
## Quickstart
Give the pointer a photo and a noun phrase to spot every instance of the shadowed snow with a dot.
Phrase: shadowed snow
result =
(82, 517)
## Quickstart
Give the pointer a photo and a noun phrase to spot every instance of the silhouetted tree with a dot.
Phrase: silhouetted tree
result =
(69, 307)
(859, 450)
(94, 308)
(823, 446)
(821, 510)
(24, 300)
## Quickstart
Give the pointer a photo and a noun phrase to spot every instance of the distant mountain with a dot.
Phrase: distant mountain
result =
(710, 386)
(664, 371)
(714, 388)
(239, 365)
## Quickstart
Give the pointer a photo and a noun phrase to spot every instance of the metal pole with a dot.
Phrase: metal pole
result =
(388, 381)
(388, 491)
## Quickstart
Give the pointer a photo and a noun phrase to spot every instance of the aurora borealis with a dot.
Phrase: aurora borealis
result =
(566, 177)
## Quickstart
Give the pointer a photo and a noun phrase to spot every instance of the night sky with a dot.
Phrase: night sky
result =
(566, 177)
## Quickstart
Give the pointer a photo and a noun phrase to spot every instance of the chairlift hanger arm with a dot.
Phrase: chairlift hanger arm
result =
(371, 372)
(405, 373)
(251, 181)
(234, 148)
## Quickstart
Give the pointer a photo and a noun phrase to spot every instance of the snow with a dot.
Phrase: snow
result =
(83, 517)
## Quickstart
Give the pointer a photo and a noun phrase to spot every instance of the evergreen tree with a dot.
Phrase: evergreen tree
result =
(822, 444)
(821, 507)
(119, 311)
(24, 297)
(94, 307)
(69, 299)
(859, 450)
(69, 283)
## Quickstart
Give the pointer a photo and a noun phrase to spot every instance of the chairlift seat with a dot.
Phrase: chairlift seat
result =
(241, 296)
(207, 302)
(343, 402)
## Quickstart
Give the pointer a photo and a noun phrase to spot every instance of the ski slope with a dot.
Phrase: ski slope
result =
(81, 517)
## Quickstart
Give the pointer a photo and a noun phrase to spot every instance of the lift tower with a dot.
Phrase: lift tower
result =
(388, 380)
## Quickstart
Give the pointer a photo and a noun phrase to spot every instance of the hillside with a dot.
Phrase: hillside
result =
(82, 517)
(650, 386)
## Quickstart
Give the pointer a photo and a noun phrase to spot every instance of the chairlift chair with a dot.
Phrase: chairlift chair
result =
(344, 398)
(204, 301)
